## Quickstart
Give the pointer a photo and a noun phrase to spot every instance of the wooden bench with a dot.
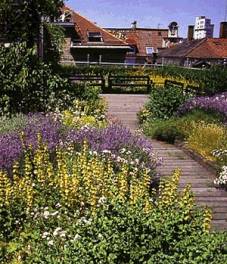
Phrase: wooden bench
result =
(170, 83)
(129, 84)
(93, 80)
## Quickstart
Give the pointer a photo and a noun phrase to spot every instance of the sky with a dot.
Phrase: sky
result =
(150, 13)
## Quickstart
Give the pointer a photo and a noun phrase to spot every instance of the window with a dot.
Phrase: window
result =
(159, 33)
(149, 50)
(95, 37)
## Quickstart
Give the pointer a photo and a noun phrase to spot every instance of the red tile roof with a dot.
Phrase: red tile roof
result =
(211, 48)
(207, 48)
(142, 37)
(83, 26)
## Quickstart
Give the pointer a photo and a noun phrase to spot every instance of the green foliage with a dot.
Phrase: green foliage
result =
(210, 81)
(165, 101)
(24, 18)
(118, 233)
(16, 123)
(53, 43)
(27, 84)
(178, 128)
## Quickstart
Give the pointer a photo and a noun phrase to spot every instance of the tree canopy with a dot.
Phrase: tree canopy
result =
(21, 19)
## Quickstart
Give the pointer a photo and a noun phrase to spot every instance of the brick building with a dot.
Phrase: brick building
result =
(146, 42)
(87, 42)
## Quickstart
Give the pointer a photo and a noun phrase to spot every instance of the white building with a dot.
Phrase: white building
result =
(203, 28)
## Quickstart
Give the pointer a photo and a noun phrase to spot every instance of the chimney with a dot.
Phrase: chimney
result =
(134, 24)
(191, 32)
(223, 30)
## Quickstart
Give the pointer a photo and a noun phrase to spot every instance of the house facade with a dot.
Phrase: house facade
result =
(87, 42)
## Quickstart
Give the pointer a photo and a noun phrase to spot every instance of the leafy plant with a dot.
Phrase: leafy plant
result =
(204, 138)
(165, 101)
(28, 84)
(178, 128)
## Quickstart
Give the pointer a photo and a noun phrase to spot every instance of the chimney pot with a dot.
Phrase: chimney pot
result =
(223, 30)
(134, 24)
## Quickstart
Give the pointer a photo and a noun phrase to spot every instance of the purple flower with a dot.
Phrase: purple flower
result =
(11, 145)
(217, 103)
(114, 138)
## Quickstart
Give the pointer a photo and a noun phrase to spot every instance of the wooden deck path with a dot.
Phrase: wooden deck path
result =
(125, 108)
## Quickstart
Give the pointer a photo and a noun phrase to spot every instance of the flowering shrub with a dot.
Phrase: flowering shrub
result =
(113, 138)
(116, 215)
(216, 103)
(85, 113)
(222, 179)
(204, 138)
(118, 140)
(16, 123)
(11, 147)
(221, 157)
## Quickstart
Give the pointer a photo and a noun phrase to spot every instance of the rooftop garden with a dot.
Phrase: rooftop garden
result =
(78, 187)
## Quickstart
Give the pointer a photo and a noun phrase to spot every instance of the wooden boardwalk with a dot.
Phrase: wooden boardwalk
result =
(125, 108)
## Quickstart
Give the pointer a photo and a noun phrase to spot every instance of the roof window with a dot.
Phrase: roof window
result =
(149, 50)
(95, 37)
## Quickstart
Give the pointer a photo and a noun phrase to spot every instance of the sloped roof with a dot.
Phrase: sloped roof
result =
(212, 48)
(83, 26)
(181, 50)
(142, 37)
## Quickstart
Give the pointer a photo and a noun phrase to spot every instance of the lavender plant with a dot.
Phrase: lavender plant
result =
(216, 103)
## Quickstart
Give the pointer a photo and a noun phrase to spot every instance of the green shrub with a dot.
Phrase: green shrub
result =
(210, 81)
(170, 229)
(165, 101)
(204, 138)
(27, 84)
(178, 128)
(16, 123)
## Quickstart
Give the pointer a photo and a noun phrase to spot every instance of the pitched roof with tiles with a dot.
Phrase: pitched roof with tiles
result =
(207, 48)
(213, 48)
(83, 26)
(142, 38)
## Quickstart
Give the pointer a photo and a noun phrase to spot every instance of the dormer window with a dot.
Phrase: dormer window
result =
(149, 50)
(95, 37)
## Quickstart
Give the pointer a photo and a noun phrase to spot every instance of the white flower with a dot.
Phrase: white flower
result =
(54, 213)
(45, 234)
(106, 151)
(46, 214)
(56, 231)
(77, 237)
(50, 243)
(58, 205)
(62, 234)
(102, 200)
(122, 150)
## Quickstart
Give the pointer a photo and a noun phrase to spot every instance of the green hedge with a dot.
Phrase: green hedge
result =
(211, 80)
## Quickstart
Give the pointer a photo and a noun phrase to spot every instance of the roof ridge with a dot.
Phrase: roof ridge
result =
(102, 29)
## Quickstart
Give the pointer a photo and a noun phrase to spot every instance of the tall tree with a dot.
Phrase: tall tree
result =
(22, 19)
